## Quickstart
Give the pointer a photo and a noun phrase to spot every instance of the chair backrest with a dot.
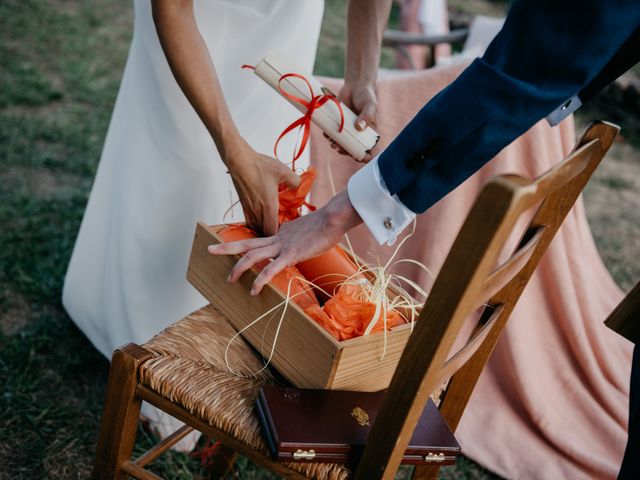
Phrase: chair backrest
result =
(468, 280)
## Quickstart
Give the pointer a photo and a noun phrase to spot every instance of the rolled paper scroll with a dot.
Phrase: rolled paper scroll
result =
(338, 122)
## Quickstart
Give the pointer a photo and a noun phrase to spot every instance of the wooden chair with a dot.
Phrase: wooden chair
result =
(182, 371)
(401, 40)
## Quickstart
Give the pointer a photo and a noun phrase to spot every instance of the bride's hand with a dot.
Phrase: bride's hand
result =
(256, 178)
(361, 98)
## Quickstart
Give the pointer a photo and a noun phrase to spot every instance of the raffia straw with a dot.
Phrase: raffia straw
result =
(284, 305)
(230, 209)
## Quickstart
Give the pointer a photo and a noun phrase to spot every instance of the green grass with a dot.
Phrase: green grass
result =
(60, 66)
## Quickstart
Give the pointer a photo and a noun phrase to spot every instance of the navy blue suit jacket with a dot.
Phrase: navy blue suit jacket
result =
(547, 52)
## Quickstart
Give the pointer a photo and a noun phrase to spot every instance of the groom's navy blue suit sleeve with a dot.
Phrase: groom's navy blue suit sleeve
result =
(547, 52)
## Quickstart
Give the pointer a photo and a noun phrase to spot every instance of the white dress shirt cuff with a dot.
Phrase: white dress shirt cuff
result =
(384, 214)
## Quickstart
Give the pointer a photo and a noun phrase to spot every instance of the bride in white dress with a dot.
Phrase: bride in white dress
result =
(166, 156)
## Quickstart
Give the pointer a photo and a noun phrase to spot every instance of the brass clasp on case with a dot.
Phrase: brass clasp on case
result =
(434, 457)
(304, 454)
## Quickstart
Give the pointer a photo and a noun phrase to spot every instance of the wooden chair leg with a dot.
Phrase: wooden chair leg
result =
(426, 472)
(222, 463)
(120, 415)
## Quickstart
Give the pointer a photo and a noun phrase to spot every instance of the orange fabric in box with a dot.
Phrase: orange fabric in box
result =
(301, 293)
(345, 316)
(292, 200)
(329, 270)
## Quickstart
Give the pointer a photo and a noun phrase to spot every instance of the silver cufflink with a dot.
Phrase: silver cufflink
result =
(388, 223)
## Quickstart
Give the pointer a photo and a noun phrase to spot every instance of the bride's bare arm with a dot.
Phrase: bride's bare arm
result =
(366, 20)
(255, 176)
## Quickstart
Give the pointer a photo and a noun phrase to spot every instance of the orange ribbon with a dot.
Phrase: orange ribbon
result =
(304, 122)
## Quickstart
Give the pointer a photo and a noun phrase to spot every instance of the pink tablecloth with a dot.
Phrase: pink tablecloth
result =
(552, 401)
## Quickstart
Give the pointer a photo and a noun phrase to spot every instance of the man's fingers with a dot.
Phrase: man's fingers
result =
(250, 259)
(241, 246)
(267, 274)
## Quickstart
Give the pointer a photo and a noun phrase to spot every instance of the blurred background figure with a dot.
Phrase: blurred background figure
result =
(427, 17)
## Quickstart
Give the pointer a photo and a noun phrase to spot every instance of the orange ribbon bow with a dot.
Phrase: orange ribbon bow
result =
(304, 122)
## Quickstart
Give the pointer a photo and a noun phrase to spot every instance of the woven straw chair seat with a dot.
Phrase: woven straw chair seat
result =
(188, 368)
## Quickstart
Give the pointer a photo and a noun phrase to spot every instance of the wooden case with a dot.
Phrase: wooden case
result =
(307, 355)
(326, 426)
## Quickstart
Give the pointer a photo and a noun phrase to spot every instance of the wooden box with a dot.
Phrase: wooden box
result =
(307, 355)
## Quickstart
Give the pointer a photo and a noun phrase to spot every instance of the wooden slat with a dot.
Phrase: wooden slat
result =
(551, 213)
(566, 171)
(463, 355)
(181, 414)
(500, 277)
(393, 38)
(136, 471)
(161, 447)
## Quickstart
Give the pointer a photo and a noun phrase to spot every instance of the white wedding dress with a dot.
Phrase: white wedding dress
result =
(160, 172)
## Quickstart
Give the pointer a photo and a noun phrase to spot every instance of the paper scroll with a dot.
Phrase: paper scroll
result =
(357, 143)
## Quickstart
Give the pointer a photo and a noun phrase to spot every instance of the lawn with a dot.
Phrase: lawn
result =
(60, 67)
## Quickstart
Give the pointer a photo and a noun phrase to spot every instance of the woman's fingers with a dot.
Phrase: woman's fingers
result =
(290, 178)
(241, 246)
(251, 258)
(367, 115)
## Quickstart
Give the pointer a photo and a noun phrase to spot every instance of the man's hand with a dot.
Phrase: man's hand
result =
(296, 241)
(256, 178)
